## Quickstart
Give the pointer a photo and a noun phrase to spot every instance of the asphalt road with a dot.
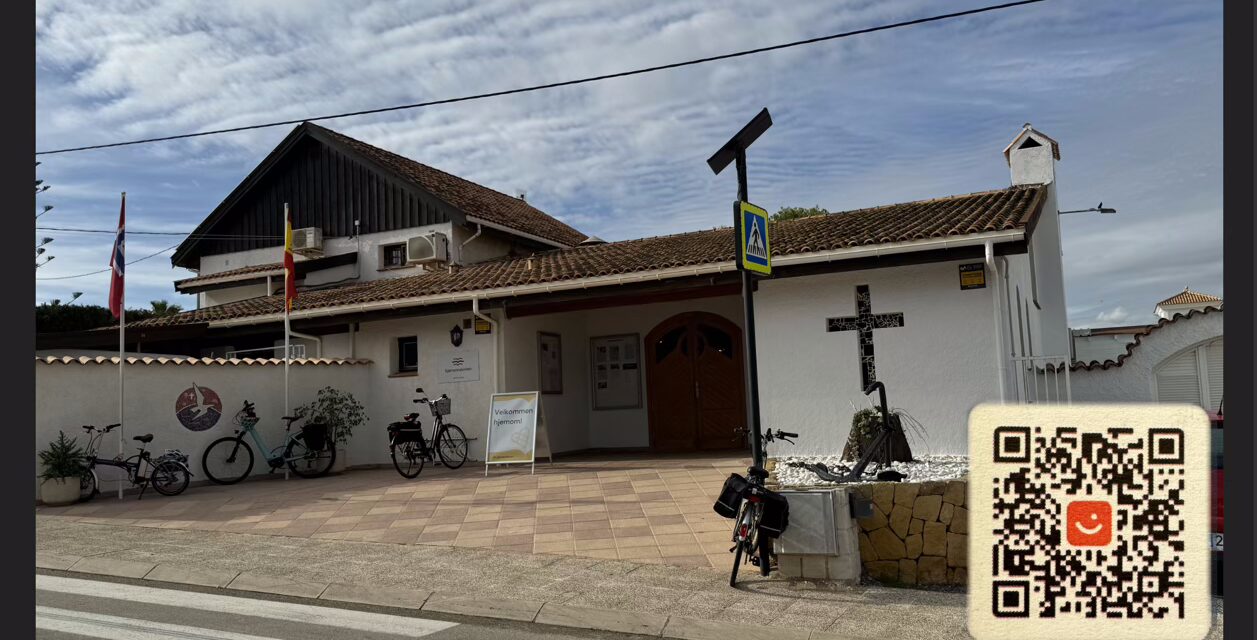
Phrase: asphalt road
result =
(72, 608)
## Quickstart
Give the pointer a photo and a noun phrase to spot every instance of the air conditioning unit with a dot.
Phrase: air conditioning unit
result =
(428, 248)
(308, 241)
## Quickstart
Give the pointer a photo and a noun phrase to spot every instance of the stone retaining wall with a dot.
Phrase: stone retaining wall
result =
(918, 533)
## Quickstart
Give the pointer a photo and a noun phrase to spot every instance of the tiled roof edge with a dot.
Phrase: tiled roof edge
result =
(1130, 348)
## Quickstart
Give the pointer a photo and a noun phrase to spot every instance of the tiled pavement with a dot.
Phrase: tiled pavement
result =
(648, 509)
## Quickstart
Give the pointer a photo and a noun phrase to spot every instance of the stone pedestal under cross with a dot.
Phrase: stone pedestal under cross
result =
(863, 324)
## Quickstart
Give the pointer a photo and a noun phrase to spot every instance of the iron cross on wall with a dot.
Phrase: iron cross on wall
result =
(863, 324)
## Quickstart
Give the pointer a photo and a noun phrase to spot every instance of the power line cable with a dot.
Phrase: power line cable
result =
(552, 85)
(189, 234)
(107, 269)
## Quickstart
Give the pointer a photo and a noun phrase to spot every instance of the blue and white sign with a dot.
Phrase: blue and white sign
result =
(753, 248)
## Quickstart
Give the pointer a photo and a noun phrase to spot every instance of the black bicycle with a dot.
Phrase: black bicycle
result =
(168, 473)
(409, 449)
(759, 514)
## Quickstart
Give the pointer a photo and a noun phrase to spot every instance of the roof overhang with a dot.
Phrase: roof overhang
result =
(574, 284)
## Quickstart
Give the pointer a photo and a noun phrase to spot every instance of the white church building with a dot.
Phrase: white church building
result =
(431, 280)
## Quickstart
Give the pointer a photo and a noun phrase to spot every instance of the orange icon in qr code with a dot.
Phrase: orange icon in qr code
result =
(1089, 523)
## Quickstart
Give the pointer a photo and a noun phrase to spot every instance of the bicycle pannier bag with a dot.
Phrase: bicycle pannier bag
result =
(776, 514)
(731, 496)
(401, 432)
(315, 436)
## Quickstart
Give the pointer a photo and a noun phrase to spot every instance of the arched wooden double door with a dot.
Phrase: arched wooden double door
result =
(695, 383)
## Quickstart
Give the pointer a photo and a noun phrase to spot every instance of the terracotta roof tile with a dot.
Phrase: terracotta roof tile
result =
(1187, 296)
(229, 274)
(473, 199)
(1002, 210)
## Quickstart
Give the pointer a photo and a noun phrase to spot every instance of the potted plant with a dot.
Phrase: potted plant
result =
(63, 470)
(341, 412)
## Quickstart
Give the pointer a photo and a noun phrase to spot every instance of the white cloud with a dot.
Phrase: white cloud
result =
(1132, 91)
(1113, 316)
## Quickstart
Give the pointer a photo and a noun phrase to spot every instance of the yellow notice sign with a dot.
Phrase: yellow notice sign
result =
(754, 252)
(972, 276)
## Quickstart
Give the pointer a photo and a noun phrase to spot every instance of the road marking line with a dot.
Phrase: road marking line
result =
(300, 613)
(96, 625)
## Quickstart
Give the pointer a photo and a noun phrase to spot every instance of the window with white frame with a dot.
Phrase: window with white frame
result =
(1192, 376)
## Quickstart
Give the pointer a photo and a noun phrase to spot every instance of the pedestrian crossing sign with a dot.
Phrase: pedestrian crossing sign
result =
(753, 248)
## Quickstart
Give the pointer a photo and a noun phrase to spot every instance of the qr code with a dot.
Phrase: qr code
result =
(1086, 519)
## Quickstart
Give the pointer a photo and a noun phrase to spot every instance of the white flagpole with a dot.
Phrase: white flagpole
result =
(122, 353)
(287, 328)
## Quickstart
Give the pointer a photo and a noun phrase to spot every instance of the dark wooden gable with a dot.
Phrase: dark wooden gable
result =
(326, 185)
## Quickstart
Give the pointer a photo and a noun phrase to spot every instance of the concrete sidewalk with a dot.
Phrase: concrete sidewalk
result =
(615, 595)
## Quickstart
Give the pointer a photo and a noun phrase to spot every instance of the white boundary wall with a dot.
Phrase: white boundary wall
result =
(68, 396)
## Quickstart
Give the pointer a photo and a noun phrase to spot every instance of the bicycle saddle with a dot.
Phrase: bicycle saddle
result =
(146, 438)
(291, 418)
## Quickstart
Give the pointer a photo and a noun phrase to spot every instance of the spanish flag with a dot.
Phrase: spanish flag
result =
(290, 270)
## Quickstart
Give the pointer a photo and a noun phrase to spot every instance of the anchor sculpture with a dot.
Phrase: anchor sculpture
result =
(879, 451)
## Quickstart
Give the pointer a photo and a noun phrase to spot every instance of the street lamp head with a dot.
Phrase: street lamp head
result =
(45, 240)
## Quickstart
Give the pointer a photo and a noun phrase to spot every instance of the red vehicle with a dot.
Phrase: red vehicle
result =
(1216, 530)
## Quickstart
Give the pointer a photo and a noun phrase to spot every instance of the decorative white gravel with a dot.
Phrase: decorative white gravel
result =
(924, 469)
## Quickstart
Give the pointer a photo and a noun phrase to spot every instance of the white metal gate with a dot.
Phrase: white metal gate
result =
(1042, 379)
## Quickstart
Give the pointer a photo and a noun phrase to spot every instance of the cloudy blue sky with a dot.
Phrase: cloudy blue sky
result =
(1131, 89)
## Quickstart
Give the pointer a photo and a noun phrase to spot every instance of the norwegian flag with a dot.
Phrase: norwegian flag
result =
(118, 263)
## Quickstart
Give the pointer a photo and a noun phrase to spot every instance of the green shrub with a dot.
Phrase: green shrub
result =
(339, 410)
(62, 459)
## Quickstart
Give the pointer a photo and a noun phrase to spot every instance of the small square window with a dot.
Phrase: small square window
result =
(393, 255)
(407, 354)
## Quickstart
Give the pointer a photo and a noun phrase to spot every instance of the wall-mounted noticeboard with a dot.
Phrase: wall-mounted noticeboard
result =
(615, 363)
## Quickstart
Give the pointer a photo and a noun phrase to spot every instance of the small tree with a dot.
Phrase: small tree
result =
(162, 308)
(339, 410)
(62, 459)
(794, 213)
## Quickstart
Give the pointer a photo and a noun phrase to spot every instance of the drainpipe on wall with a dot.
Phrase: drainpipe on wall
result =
(499, 357)
(999, 334)
(318, 342)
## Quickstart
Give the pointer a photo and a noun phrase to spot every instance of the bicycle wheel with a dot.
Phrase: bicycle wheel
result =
(307, 462)
(737, 561)
(227, 460)
(451, 446)
(169, 478)
(408, 459)
(87, 485)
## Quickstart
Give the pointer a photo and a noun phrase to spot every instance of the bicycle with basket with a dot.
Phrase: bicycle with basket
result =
(410, 450)
(309, 453)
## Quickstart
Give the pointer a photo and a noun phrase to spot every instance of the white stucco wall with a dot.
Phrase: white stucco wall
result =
(937, 367)
(1098, 348)
(390, 396)
(70, 395)
(1134, 381)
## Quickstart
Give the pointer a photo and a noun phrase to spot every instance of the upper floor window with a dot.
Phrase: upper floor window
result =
(393, 255)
